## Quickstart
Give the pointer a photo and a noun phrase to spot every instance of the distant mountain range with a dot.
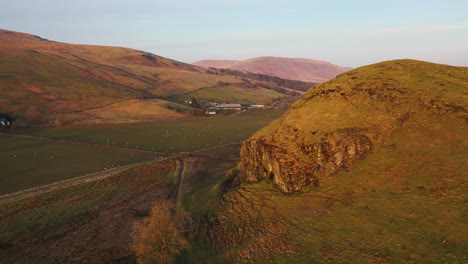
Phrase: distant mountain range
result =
(305, 70)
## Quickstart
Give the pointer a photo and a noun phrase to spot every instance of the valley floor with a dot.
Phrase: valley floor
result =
(35, 157)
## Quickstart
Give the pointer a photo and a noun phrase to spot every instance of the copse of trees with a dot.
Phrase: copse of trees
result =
(291, 84)
(195, 103)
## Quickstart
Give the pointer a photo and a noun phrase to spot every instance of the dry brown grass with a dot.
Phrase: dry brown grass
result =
(129, 111)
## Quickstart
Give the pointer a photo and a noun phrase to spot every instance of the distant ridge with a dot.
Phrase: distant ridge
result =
(305, 70)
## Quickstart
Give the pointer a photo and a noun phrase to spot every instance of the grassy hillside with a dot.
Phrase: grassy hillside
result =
(363, 109)
(374, 162)
(232, 93)
(50, 83)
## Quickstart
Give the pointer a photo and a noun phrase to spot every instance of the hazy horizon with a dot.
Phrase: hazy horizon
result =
(347, 33)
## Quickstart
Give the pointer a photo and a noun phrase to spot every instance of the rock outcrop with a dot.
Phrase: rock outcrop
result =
(291, 170)
(340, 122)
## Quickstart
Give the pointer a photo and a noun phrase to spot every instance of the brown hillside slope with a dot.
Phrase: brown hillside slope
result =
(306, 70)
(49, 83)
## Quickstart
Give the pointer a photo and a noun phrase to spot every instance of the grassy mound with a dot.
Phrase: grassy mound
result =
(402, 201)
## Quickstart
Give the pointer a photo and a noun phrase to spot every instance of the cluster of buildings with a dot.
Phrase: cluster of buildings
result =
(217, 108)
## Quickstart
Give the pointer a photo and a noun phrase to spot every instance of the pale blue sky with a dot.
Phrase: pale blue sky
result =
(349, 33)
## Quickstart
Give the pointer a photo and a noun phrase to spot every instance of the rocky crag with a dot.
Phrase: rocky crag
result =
(340, 122)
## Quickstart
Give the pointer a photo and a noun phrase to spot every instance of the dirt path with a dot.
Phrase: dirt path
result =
(180, 178)
(180, 171)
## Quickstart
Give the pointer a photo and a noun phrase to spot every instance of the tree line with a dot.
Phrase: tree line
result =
(291, 84)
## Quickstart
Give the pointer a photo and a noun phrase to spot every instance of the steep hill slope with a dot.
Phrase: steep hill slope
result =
(287, 68)
(374, 165)
(346, 119)
(50, 83)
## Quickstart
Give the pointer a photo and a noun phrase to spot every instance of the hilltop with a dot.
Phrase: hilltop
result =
(48, 83)
(369, 167)
(305, 70)
(344, 120)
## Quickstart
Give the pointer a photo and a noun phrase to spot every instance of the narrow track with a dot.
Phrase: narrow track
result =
(179, 177)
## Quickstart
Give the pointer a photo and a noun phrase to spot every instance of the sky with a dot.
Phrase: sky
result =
(345, 32)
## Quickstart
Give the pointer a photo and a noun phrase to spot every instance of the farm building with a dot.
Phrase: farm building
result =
(216, 108)
(258, 105)
(236, 107)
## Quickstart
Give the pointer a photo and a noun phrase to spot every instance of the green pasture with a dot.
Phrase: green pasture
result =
(168, 137)
(47, 157)
(28, 162)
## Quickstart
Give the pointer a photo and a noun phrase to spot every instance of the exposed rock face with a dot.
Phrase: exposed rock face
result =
(307, 163)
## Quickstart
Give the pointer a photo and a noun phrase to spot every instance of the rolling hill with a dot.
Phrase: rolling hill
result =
(49, 83)
(306, 70)
(369, 167)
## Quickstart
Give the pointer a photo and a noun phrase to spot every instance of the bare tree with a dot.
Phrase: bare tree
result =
(160, 237)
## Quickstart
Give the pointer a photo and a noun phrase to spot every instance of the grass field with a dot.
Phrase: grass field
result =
(33, 161)
(29, 162)
(169, 137)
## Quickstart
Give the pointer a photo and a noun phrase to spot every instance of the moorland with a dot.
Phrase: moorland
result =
(48, 83)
